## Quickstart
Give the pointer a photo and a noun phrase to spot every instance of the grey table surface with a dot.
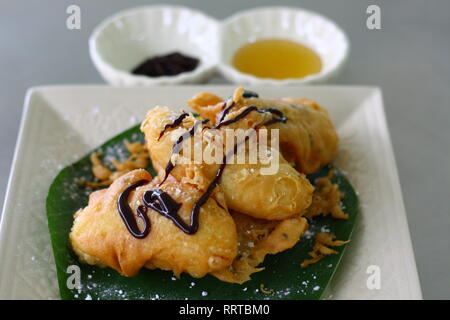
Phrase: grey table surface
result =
(408, 58)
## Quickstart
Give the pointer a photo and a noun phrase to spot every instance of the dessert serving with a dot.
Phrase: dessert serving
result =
(239, 199)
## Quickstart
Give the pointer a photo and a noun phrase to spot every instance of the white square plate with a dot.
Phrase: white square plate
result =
(62, 123)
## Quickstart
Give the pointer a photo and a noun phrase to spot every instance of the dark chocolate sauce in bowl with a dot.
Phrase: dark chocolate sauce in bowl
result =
(170, 64)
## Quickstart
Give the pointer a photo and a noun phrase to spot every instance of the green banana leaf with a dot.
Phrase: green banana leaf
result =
(283, 277)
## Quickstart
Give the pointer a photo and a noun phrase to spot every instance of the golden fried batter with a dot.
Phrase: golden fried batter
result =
(326, 199)
(308, 139)
(321, 248)
(266, 210)
(99, 235)
(138, 159)
(273, 196)
(211, 104)
(256, 239)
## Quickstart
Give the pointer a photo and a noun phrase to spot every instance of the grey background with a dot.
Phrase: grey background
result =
(408, 59)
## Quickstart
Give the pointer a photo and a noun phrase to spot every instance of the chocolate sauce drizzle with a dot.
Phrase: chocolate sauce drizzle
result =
(196, 209)
(250, 94)
(279, 116)
(177, 147)
(127, 214)
(175, 123)
(163, 203)
(225, 111)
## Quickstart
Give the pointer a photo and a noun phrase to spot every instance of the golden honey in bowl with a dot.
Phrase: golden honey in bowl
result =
(277, 59)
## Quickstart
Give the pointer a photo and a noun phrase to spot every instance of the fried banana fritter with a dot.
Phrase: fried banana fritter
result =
(273, 196)
(308, 138)
(99, 235)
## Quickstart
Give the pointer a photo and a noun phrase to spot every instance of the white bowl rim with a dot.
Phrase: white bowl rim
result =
(103, 66)
(225, 67)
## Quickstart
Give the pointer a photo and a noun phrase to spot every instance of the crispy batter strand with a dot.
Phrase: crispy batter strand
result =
(326, 199)
(256, 239)
(321, 250)
(138, 159)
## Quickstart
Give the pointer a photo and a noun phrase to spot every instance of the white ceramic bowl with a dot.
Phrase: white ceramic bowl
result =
(126, 39)
(306, 27)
